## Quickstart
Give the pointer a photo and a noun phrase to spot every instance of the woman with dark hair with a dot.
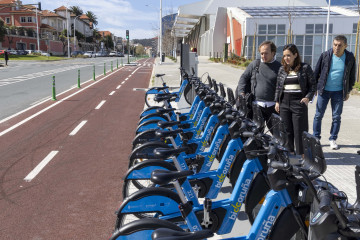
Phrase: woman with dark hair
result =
(295, 87)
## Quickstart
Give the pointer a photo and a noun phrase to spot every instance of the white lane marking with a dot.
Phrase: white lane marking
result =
(75, 131)
(100, 104)
(118, 87)
(40, 166)
(126, 79)
(49, 107)
(26, 77)
(123, 82)
(112, 93)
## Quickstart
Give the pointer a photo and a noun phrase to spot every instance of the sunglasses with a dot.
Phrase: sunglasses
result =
(287, 46)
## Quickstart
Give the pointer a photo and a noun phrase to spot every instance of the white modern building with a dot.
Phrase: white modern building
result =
(242, 25)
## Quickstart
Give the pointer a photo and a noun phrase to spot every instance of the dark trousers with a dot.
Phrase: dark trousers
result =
(267, 112)
(295, 117)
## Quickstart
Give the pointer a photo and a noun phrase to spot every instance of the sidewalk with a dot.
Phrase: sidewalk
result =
(340, 163)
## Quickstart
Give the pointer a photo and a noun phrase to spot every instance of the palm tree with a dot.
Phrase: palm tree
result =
(76, 10)
(92, 17)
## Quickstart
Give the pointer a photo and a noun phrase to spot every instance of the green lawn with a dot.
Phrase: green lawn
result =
(34, 58)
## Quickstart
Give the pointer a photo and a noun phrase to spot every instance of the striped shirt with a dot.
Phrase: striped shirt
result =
(291, 83)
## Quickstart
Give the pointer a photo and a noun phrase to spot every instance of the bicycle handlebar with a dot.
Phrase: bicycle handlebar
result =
(325, 198)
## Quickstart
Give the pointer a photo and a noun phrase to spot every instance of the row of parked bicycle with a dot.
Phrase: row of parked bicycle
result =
(171, 186)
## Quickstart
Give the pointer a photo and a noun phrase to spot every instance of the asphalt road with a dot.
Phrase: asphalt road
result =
(61, 163)
(25, 83)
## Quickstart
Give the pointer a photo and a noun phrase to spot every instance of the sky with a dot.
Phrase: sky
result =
(117, 16)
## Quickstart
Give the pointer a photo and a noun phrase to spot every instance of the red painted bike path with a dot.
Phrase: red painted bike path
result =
(75, 195)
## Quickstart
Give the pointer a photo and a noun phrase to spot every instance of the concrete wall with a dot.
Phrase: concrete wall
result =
(214, 39)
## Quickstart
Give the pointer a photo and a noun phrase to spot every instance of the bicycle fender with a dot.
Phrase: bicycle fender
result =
(258, 189)
(285, 225)
(149, 110)
(153, 199)
(142, 229)
(152, 116)
(140, 149)
(144, 169)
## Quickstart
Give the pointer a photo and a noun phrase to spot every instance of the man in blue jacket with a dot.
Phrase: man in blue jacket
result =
(335, 75)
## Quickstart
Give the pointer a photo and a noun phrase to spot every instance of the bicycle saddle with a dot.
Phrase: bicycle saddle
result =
(164, 153)
(162, 177)
(165, 110)
(164, 124)
(159, 75)
(165, 133)
(169, 234)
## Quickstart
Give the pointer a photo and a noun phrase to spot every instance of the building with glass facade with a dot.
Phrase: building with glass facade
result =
(303, 26)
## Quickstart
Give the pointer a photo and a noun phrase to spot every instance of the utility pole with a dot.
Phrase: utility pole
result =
(67, 32)
(127, 38)
(160, 34)
(74, 31)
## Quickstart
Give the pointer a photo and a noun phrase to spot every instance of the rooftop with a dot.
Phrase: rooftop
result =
(284, 11)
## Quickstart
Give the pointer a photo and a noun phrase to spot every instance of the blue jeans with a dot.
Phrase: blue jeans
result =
(336, 107)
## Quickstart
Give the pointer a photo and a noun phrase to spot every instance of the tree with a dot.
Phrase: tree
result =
(92, 17)
(140, 50)
(76, 10)
(2, 31)
(63, 39)
(109, 44)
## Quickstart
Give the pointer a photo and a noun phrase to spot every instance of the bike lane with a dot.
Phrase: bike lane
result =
(75, 195)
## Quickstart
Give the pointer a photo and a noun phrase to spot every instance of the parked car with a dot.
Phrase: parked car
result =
(75, 53)
(113, 54)
(120, 55)
(30, 51)
(89, 54)
(42, 53)
(101, 54)
(12, 52)
(22, 52)
(2, 52)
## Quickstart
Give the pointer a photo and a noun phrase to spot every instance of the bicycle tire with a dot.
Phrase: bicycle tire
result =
(149, 98)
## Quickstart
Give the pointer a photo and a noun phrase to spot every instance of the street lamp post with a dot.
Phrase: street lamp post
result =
(74, 32)
(67, 32)
(160, 34)
(159, 38)
(37, 29)
(327, 27)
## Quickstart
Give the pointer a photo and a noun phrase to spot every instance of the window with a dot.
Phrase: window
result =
(29, 19)
(262, 29)
(281, 29)
(308, 40)
(354, 28)
(299, 40)
(330, 28)
(32, 46)
(319, 28)
(309, 28)
(22, 19)
(271, 29)
(7, 20)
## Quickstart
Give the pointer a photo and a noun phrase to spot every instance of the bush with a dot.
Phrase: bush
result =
(357, 86)
(172, 58)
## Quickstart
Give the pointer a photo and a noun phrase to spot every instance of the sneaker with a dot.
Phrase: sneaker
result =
(333, 145)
